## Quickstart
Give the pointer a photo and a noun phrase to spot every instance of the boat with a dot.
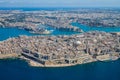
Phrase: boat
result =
(42, 32)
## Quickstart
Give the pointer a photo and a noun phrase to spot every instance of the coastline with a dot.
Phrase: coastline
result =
(36, 64)
(50, 64)
(32, 63)
(6, 56)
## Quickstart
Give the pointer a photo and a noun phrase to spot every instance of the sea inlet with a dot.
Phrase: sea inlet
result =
(16, 69)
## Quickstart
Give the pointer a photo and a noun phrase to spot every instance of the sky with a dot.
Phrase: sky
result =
(59, 3)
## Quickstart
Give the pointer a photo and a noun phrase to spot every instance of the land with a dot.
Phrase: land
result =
(62, 50)
(59, 19)
(54, 51)
(5, 56)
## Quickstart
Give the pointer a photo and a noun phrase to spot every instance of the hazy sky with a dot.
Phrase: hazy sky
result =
(59, 3)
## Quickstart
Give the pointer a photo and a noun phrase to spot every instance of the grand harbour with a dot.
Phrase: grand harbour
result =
(60, 39)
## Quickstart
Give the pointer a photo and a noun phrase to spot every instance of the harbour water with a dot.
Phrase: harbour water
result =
(6, 33)
(86, 28)
(15, 69)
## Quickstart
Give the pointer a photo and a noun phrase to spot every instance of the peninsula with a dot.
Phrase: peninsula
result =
(56, 51)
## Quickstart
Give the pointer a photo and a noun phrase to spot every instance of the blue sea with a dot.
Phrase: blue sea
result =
(6, 33)
(86, 28)
(16, 69)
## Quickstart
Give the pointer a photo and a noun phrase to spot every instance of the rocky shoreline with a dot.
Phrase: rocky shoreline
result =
(59, 51)
(6, 56)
